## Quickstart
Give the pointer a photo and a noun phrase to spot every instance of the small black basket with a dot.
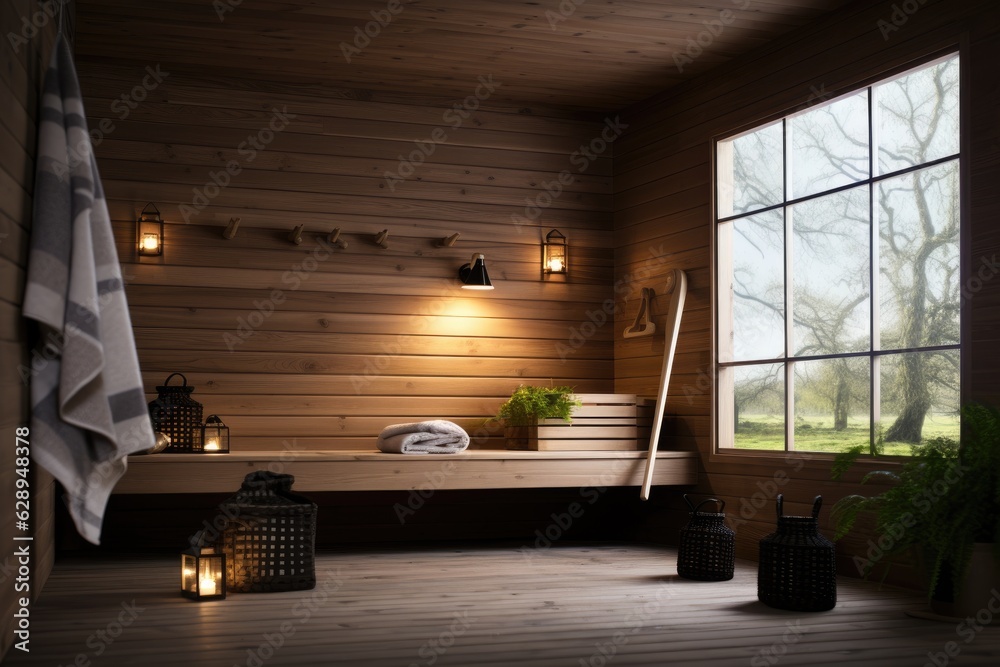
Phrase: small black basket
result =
(270, 536)
(798, 569)
(707, 550)
(177, 415)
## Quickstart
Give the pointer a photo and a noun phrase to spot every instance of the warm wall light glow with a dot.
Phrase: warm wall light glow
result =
(555, 265)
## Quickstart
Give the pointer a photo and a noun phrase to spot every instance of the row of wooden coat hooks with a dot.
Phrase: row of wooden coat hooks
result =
(295, 236)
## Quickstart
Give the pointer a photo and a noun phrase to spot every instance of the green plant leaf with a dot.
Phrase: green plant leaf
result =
(844, 460)
(941, 501)
(527, 405)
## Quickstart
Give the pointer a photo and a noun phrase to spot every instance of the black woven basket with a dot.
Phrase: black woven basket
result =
(707, 550)
(270, 537)
(797, 568)
(177, 415)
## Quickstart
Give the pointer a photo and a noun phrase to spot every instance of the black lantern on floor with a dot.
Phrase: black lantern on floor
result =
(203, 571)
(215, 436)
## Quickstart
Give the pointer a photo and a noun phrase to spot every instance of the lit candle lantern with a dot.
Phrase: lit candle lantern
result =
(215, 436)
(554, 259)
(149, 229)
(203, 571)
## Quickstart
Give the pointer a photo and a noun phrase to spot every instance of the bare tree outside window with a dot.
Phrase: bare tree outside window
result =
(838, 271)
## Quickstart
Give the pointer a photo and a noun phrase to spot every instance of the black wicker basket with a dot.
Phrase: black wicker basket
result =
(270, 537)
(177, 415)
(707, 550)
(797, 569)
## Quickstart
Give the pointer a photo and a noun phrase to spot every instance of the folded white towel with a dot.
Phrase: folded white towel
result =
(430, 437)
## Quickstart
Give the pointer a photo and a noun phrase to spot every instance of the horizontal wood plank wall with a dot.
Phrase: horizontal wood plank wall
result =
(24, 61)
(663, 218)
(316, 347)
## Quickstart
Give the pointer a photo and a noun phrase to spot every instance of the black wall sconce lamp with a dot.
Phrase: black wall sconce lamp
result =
(554, 255)
(474, 275)
(149, 232)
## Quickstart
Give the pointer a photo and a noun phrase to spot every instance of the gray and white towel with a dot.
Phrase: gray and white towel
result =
(88, 406)
(430, 437)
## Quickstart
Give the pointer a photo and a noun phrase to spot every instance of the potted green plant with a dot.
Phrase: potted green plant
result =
(944, 505)
(527, 406)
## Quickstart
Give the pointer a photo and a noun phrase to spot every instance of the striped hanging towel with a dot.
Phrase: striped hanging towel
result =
(88, 406)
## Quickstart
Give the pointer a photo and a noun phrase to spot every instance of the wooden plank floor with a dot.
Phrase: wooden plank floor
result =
(477, 605)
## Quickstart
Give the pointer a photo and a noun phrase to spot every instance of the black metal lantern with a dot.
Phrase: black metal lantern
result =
(271, 544)
(149, 232)
(215, 436)
(554, 256)
(177, 415)
(203, 571)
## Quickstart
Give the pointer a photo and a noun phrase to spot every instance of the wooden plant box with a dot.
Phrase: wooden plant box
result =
(609, 422)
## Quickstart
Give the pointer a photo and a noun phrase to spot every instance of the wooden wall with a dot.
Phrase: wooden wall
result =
(24, 59)
(313, 348)
(663, 190)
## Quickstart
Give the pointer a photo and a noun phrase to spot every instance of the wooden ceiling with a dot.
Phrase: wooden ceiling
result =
(585, 55)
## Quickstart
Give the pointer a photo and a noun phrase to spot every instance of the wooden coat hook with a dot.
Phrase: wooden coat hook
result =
(448, 241)
(335, 239)
(231, 228)
(382, 238)
(642, 326)
(295, 236)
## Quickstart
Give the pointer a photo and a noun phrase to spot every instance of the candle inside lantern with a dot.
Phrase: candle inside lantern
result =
(150, 242)
(203, 570)
(212, 445)
(207, 586)
(556, 265)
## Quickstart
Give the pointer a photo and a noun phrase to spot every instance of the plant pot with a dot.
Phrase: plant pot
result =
(980, 584)
(521, 437)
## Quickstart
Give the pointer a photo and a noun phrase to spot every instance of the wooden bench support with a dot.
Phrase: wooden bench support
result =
(376, 471)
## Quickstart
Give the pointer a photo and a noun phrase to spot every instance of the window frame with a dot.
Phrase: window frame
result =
(790, 455)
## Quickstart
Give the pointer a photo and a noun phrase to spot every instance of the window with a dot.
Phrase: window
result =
(837, 271)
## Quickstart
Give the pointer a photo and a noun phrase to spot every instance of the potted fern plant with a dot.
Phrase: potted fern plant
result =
(527, 406)
(944, 505)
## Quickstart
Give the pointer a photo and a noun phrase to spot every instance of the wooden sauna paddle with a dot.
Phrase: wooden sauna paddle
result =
(677, 289)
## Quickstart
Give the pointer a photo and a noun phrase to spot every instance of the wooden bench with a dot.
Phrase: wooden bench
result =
(375, 471)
